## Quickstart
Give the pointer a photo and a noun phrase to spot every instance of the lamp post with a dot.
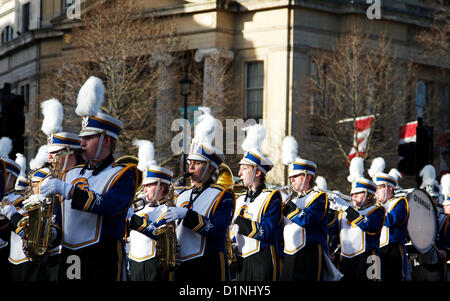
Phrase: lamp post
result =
(186, 87)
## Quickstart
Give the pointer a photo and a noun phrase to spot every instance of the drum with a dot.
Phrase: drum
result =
(422, 221)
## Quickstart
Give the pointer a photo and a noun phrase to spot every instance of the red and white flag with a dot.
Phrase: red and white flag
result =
(407, 132)
(362, 132)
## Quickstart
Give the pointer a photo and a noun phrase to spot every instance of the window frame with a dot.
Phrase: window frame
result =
(247, 89)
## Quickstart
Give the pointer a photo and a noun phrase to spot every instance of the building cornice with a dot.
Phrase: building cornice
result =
(27, 39)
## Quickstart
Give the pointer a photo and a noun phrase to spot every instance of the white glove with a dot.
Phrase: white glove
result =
(130, 212)
(34, 199)
(8, 210)
(51, 186)
(174, 213)
(337, 203)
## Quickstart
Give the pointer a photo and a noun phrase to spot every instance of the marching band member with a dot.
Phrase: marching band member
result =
(443, 236)
(22, 268)
(305, 221)
(359, 226)
(333, 239)
(10, 200)
(393, 234)
(94, 197)
(205, 211)
(5, 231)
(430, 265)
(64, 153)
(257, 218)
(443, 239)
(143, 258)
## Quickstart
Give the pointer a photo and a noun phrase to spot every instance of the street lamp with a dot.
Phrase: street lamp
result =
(186, 87)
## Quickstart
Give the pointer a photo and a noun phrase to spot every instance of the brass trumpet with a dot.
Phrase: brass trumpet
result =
(337, 193)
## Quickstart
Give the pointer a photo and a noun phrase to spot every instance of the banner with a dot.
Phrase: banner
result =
(362, 132)
(407, 133)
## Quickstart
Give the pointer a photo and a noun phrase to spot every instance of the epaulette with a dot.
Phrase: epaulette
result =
(181, 191)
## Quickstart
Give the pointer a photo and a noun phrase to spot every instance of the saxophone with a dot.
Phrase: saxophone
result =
(166, 244)
(37, 225)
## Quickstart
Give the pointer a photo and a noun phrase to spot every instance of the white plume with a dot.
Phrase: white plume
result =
(254, 138)
(356, 169)
(22, 161)
(289, 150)
(205, 129)
(395, 173)
(40, 159)
(321, 182)
(377, 165)
(445, 184)
(205, 110)
(90, 97)
(146, 153)
(5, 147)
(428, 174)
(53, 113)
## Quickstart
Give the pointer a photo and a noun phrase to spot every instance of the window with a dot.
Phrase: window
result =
(254, 88)
(7, 34)
(421, 98)
(26, 17)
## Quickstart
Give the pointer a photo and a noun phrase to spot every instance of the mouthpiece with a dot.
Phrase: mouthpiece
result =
(239, 182)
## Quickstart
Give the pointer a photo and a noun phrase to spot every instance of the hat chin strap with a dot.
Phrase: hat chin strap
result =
(204, 171)
(303, 184)
(99, 147)
(66, 159)
(155, 194)
(252, 178)
(364, 201)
